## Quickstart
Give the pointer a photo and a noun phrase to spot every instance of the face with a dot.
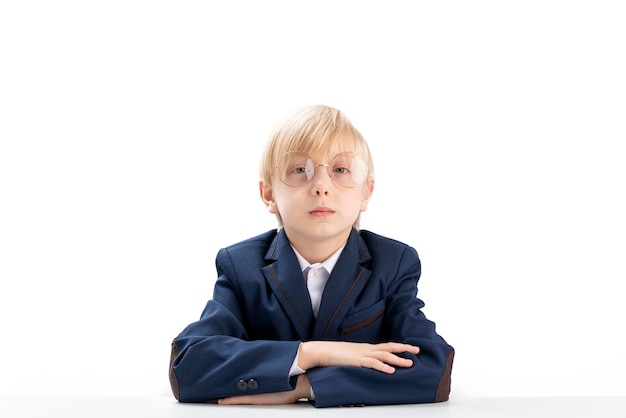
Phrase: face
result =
(318, 209)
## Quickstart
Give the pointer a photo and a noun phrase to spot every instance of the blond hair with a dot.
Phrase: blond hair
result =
(315, 130)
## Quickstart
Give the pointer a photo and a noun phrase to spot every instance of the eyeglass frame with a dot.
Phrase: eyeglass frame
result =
(330, 174)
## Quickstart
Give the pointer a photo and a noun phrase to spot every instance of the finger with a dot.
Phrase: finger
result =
(235, 400)
(392, 359)
(373, 363)
(273, 398)
(398, 348)
(384, 361)
(413, 349)
(402, 362)
(245, 400)
(240, 400)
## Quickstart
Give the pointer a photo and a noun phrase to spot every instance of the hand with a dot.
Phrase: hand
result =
(379, 357)
(303, 390)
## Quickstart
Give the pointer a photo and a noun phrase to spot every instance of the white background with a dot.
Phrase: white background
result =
(131, 133)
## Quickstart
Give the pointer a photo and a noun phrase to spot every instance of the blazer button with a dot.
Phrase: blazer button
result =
(253, 384)
(242, 385)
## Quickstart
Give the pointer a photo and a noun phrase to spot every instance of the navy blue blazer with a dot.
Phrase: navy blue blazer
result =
(249, 333)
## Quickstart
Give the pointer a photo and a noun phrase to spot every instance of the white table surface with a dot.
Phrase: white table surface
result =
(158, 407)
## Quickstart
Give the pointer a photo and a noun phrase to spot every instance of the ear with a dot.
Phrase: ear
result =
(368, 189)
(267, 196)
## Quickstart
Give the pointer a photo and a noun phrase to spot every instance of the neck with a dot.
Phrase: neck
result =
(317, 251)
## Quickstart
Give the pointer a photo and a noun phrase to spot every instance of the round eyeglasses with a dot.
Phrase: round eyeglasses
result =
(297, 169)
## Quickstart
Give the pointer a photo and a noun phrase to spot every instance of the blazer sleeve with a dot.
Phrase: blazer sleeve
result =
(213, 358)
(427, 380)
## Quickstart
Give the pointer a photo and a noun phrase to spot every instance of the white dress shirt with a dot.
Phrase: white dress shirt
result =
(316, 276)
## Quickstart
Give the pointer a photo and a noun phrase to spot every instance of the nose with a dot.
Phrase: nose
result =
(321, 180)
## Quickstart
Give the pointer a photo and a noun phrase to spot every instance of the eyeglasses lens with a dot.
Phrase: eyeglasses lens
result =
(297, 169)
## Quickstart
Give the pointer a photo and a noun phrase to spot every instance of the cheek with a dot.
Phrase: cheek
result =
(285, 202)
(355, 203)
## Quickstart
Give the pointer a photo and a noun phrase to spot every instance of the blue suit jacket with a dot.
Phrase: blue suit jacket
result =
(249, 333)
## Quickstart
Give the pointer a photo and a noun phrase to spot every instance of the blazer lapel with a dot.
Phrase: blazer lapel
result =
(285, 277)
(346, 281)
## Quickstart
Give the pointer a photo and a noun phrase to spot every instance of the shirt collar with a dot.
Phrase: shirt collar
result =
(329, 264)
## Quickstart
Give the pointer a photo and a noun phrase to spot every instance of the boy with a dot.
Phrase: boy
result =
(315, 309)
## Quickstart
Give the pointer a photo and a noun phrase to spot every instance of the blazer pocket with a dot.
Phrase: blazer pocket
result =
(363, 319)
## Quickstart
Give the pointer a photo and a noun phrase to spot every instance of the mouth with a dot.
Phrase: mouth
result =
(322, 211)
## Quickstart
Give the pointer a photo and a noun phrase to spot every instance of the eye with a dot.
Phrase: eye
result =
(299, 170)
(341, 170)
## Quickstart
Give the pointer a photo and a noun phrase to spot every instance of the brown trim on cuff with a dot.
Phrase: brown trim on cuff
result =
(173, 378)
(443, 388)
